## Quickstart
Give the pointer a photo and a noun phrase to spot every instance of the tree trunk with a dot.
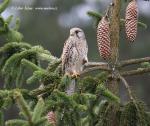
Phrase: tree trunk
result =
(113, 85)
(115, 28)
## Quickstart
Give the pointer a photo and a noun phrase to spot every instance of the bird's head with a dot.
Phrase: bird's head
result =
(77, 32)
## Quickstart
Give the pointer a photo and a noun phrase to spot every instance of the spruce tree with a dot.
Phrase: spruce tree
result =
(96, 101)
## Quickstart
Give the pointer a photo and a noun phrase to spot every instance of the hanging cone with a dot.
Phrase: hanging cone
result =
(103, 38)
(131, 19)
(51, 117)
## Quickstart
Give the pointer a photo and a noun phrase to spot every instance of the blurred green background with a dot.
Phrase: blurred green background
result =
(50, 28)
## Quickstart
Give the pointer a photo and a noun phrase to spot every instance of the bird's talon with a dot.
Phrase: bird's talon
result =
(75, 75)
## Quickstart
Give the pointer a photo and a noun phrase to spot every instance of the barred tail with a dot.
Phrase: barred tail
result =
(71, 87)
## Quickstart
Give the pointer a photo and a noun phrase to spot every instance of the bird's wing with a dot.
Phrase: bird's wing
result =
(86, 48)
(69, 44)
(85, 53)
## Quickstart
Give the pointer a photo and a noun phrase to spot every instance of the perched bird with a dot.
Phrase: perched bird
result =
(74, 56)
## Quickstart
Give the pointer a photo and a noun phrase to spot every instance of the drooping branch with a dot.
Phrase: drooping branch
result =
(129, 92)
(127, 87)
(30, 64)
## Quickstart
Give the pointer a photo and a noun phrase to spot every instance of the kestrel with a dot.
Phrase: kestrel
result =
(74, 54)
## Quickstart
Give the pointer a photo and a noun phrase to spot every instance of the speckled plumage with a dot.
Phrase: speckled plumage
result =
(74, 52)
(74, 56)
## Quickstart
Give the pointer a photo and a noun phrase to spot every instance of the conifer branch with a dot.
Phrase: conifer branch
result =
(121, 64)
(93, 64)
(105, 92)
(47, 57)
(16, 122)
(4, 27)
(97, 17)
(134, 61)
(30, 64)
(127, 87)
(135, 72)
(87, 70)
(40, 122)
(4, 5)
(38, 110)
(140, 24)
(70, 110)
(23, 106)
(46, 89)
(1, 118)
(9, 19)
(129, 92)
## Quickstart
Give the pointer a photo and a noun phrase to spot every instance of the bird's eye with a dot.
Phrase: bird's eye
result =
(77, 32)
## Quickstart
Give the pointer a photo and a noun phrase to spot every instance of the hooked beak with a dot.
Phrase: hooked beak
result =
(71, 34)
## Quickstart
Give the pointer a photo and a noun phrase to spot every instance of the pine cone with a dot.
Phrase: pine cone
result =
(131, 19)
(103, 38)
(51, 117)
